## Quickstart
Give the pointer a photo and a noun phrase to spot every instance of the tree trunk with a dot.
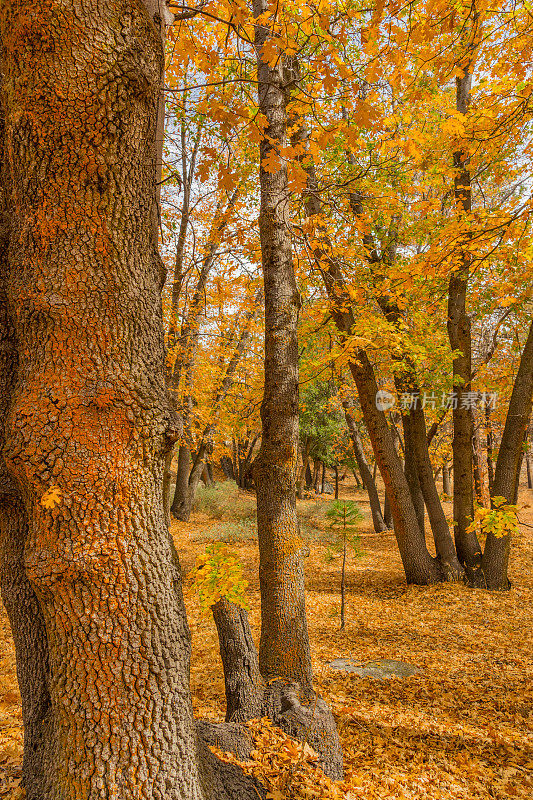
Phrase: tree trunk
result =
(496, 555)
(364, 469)
(387, 514)
(302, 477)
(226, 464)
(466, 543)
(88, 424)
(529, 472)
(242, 678)
(411, 472)
(181, 505)
(490, 449)
(343, 580)
(444, 545)
(336, 468)
(476, 461)
(316, 475)
(323, 479)
(248, 697)
(446, 484)
(19, 598)
(418, 564)
(418, 467)
(246, 481)
(284, 647)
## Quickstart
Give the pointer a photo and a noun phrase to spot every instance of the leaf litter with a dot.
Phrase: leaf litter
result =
(460, 729)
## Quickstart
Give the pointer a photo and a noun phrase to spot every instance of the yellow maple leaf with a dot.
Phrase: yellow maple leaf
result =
(52, 497)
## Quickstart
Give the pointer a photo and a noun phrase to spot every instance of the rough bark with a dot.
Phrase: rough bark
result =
(418, 467)
(284, 647)
(418, 564)
(242, 678)
(411, 471)
(364, 469)
(495, 559)
(89, 420)
(444, 545)
(18, 596)
(305, 717)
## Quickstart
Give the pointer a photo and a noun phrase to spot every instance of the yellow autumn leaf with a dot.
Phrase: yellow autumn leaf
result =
(52, 497)
(507, 301)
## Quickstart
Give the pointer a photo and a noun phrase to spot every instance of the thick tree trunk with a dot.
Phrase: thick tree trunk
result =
(364, 469)
(466, 543)
(284, 647)
(418, 564)
(496, 555)
(529, 472)
(444, 545)
(411, 472)
(418, 467)
(19, 598)
(242, 678)
(248, 697)
(181, 506)
(88, 424)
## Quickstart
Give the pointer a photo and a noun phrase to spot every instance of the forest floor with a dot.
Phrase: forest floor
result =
(460, 728)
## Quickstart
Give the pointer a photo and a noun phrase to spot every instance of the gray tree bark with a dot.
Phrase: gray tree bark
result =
(88, 422)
